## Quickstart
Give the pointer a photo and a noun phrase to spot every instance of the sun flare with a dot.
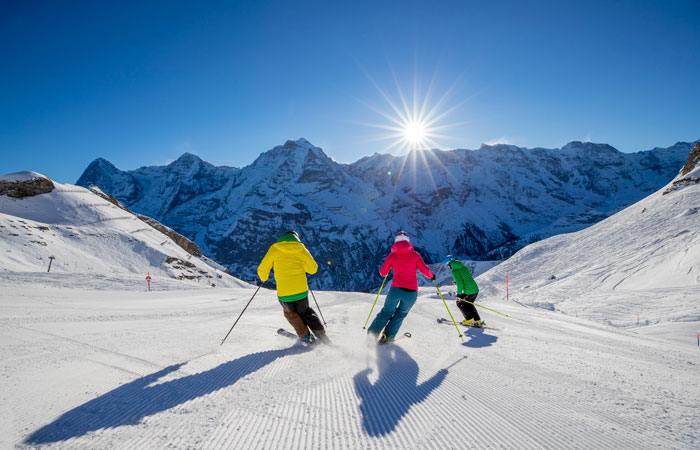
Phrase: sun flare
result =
(414, 132)
(414, 122)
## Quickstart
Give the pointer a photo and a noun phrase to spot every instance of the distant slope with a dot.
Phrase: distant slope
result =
(482, 204)
(644, 259)
(87, 234)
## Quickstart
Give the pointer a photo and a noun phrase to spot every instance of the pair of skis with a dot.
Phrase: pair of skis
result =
(287, 334)
(449, 322)
(406, 335)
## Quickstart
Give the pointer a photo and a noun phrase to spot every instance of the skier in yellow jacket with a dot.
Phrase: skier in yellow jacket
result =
(291, 262)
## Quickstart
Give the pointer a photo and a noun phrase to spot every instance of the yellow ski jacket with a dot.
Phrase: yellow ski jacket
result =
(291, 262)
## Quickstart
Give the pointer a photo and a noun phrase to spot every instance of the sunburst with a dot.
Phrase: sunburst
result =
(415, 123)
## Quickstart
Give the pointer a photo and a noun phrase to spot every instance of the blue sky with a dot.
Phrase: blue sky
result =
(139, 83)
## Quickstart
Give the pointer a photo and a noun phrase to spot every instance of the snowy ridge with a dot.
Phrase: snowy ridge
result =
(86, 234)
(643, 260)
(480, 204)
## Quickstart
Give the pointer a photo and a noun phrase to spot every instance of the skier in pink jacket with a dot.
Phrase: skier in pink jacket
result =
(404, 288)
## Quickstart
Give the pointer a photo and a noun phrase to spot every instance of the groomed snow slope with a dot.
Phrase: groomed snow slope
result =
(643, 260)
(103, 368)
(88, 235)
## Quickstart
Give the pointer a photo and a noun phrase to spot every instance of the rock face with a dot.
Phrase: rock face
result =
(25, 184)
(476, 204)
(693, 161)
(689, 174)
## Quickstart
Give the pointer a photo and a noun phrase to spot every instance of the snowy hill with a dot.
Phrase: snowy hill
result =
(103, 368)
(644, 259)
(85, 234)
(480, 204)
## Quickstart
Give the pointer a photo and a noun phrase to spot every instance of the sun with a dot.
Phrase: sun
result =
(413, 122)
(414, 132)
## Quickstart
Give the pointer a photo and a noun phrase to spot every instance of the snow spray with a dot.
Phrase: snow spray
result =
(148, 280)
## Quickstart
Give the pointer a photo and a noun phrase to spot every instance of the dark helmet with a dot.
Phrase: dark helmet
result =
(294, 233)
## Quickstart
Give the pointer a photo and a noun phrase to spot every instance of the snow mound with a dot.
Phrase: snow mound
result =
(71, 230)
(21, 177)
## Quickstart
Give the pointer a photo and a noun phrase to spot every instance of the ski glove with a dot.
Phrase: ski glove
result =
(433, 278)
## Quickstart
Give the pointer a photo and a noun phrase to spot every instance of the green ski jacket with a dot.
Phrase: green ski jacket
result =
(463, 278)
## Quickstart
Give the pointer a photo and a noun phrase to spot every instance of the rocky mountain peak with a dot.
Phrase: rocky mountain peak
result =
(97, 170)
(693, 161)
(293, 153)
(186, 162)
(589, 147)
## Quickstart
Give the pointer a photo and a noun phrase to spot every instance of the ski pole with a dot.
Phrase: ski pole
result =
(318, 307)
(375, 302)
(481, 306)
(239, 316)
(448, 311)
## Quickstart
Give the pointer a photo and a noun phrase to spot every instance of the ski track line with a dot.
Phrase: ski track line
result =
(93, 347)
(609, 416)
(412, 414)
(482, 430)
(456, 386)
(526, 407)
(523, 401)
(349, 422)
(243, 428)
(275, 426)
(246, 429)
(629, 424)
(489, 424)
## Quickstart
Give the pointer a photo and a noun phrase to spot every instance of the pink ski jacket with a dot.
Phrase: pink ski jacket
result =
(404, 260)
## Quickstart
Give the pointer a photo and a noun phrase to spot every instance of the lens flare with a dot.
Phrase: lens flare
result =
(414, 123)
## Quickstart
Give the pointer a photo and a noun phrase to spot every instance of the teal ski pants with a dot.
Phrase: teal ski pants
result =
(396, 306)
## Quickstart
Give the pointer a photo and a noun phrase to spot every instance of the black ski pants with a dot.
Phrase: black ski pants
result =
(301, 309)
(468, 310)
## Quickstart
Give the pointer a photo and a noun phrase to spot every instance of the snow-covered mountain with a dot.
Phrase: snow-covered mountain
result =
(478, 204)
(643, 260)
(76, 230)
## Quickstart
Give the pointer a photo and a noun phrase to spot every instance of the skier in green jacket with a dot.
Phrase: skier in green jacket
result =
(467, 291)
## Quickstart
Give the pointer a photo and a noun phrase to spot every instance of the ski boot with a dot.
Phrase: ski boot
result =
(309, 339)
(468, 323)
(384, 340)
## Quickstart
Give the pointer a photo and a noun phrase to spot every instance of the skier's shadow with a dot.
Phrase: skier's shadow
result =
(128, 404)
(385, 402)
(478, 339)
